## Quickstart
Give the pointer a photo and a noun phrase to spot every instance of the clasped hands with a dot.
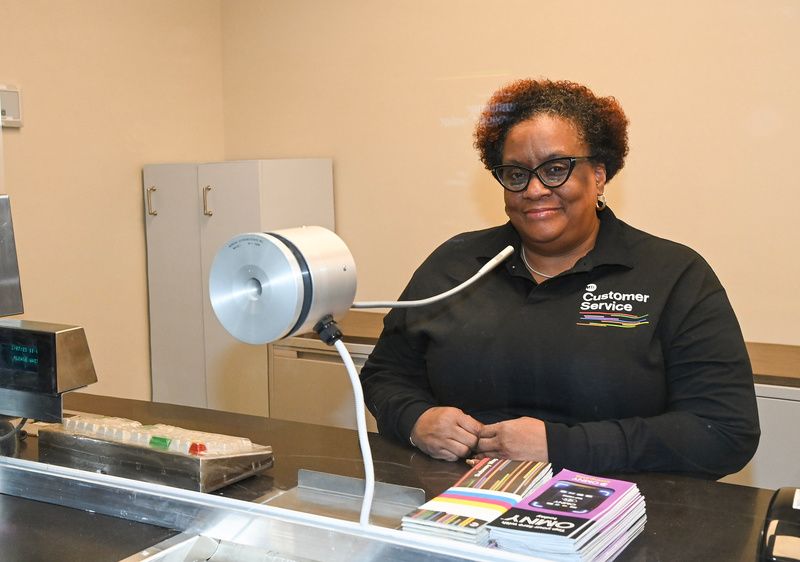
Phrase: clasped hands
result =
(449, 434)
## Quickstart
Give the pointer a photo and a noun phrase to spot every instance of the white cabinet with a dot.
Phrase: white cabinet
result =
(175, 287)
(777, 460)
(191, 210)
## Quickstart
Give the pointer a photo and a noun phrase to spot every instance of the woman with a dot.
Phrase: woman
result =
(596, 346)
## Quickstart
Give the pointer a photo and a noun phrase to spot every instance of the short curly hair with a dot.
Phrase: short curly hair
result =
(601, 122)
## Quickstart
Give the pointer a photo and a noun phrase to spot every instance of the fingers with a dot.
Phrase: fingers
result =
(489, 431)
(487, 446)
(467, 432)
(521, 438)
(446, 433)
(450, 452)
(457, 446)
(469, 424)
(447, 449)
(465, 438)
(489, 440)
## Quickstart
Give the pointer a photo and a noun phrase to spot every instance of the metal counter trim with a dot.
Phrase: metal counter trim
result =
(225, 519)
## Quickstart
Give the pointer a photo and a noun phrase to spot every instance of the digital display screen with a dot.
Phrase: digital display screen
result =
(16, 356)
(27, 360)
(572, 497)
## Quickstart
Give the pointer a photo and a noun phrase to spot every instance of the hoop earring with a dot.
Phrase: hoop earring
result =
(601, 202)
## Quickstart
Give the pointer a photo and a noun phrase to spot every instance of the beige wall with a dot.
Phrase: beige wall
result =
(107, 86)
(390, 90)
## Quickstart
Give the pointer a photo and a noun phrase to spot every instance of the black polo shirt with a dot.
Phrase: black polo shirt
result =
(633, 358)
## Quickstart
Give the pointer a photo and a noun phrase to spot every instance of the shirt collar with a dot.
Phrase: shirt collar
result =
(611, 248)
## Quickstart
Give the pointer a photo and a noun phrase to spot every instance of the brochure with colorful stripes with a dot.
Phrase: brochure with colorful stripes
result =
(484, 493)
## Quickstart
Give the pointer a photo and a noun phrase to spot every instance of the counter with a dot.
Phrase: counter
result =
(688, 519)
(775, 364)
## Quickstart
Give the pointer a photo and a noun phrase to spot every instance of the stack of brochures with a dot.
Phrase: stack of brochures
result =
(573, 516)
(487, 491)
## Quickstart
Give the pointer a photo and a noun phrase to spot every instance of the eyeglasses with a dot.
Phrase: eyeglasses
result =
(552, 173)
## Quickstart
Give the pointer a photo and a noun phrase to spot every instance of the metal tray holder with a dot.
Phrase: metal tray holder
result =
(201, 473)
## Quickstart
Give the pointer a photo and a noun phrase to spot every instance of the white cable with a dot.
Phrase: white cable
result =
(361, 425)
(358, 393)
(490, 265)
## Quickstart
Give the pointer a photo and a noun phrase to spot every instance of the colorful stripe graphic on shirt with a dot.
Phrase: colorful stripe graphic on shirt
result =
(612, 319)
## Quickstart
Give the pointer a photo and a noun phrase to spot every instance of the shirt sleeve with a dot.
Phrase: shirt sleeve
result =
(710, 425)
(395, 379)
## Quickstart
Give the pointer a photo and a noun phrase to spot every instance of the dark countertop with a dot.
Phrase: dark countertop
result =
(688, 518)
(32, 531)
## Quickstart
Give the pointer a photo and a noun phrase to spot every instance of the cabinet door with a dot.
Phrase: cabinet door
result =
(296, 192)
(236, 373)
(777, 461)
(312, 386)
(174, 284)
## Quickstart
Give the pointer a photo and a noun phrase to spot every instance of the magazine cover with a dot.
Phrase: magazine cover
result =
(568, 506)
(486, 491)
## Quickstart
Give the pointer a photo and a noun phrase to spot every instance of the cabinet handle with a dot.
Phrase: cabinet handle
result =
(358, 361)
(150, 210)
(206, 211)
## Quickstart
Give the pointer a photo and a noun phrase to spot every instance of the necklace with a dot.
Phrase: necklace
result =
(525, 261)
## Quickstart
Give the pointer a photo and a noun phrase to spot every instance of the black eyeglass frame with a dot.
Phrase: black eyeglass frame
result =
(535, 172)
